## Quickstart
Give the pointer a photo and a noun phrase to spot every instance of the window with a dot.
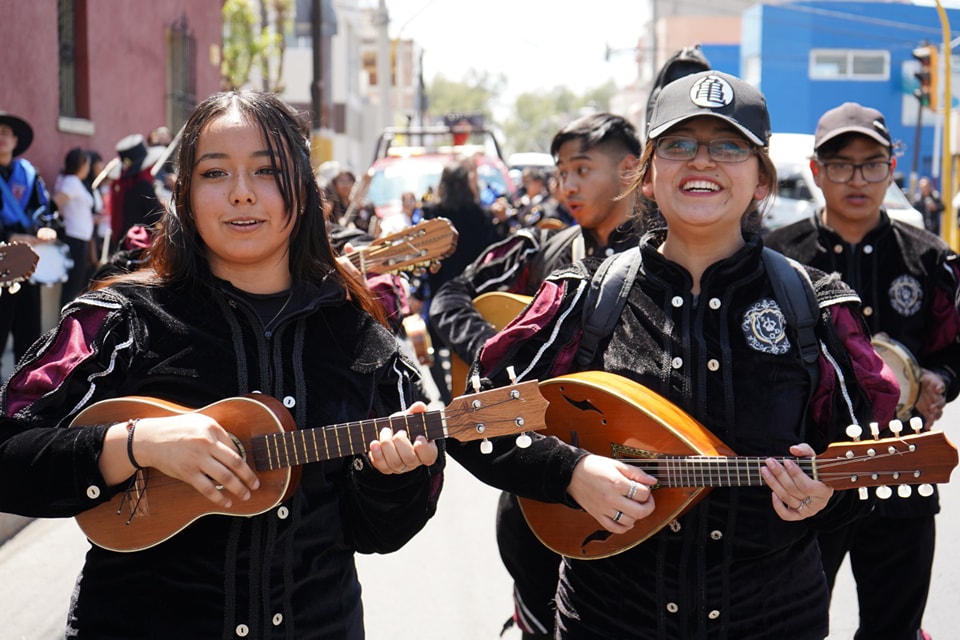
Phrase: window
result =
(181, 79)
(849, 64)
(67, 40)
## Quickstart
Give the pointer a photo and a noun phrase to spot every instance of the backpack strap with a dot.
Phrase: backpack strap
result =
(606, 297)
(794, 293)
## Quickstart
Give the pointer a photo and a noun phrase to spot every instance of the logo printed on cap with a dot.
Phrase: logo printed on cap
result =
(711, 92)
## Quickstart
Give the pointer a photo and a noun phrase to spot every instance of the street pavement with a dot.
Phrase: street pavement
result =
(447, 583)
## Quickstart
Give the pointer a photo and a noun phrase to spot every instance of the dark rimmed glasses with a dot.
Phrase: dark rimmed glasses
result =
(727, 150)
(873, 171)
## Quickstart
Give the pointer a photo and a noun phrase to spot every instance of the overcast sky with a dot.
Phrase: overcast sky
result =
(537, 44)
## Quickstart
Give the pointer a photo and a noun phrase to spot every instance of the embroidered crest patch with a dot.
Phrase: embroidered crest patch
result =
(765, 327)
(906, 295)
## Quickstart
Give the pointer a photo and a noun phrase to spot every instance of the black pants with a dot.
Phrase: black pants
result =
(20, 316)
(891, 559)
(534, 568)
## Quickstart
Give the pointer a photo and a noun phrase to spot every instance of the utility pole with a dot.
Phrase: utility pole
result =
(321, 137)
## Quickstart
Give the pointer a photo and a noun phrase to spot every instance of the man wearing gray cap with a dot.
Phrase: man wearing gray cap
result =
(907, 280)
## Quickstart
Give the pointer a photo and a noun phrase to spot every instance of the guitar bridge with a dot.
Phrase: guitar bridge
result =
(135, 497)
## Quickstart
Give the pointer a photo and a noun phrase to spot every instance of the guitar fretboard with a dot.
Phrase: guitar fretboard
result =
(293, 448)
(710, 471)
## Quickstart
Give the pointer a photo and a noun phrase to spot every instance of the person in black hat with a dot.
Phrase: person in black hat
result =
(702, 318)
(907, 278)
(134, 198)
(24, 217)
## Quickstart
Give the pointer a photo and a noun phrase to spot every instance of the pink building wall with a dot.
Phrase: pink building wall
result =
(126, 67)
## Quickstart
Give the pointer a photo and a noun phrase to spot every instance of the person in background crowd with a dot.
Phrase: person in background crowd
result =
(75, 203)
(101, 214)
(907, 279)
(928, 203)
(409, 208)
(596, 156)
(683, 62)
(24, 217)
(458, 201)
(702, 325)
(133, 197)
(242, 294)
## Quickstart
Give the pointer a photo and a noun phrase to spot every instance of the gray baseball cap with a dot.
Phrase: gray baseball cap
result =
(851, 117)
(712, 93)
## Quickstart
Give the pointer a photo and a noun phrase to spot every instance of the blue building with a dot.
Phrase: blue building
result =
(808, 57)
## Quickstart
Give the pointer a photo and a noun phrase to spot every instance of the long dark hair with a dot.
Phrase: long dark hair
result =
(178, 255)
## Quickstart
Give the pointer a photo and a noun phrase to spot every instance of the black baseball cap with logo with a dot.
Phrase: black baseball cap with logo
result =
(712, 93)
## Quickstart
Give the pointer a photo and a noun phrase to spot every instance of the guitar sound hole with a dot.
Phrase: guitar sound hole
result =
(239, 445)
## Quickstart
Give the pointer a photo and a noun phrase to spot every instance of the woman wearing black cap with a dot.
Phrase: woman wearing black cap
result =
(23, 197)
(705, 324)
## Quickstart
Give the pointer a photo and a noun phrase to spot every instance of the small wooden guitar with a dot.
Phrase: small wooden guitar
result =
(17, 263)
(612, 416)
(498, 308)
(414, 248)
(157, 506)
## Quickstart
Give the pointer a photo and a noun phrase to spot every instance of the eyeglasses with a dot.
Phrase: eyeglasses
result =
(875, 171)
(726, 150)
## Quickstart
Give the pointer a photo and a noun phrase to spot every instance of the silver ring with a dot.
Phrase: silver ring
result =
(617, 517)
(633, 491)
(218, 487)
(806, 501)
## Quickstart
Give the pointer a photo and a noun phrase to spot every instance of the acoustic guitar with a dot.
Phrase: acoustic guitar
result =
(612, 416)
(414, 248)
(498, 308)
(18, 261)
(156, 507)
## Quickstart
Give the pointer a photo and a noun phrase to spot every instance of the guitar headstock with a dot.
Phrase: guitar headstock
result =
(498, 412)
(416, 247)
(17, 263)
(924, 458)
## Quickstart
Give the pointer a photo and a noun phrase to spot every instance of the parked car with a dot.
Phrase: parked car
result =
(412, 159)
(798, 196)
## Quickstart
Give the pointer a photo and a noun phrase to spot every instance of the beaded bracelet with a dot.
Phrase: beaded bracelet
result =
(131, 425)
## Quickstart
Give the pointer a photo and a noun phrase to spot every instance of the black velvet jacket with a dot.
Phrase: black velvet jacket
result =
(709, 574)
(907, 278)
(287, 573)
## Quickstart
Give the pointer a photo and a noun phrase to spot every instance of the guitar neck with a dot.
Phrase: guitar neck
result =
(712, 471)
(293, 448)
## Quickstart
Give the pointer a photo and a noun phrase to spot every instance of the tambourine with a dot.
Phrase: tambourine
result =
(905, 367)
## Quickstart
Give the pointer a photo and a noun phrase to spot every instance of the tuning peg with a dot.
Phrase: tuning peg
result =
(486, 447)
(14, 287)
(926, 490)
(904, 491)
(884, 492)
(863, 494)
(896, 427)
(523, 441)
(916, 423)
(875, 430)
(475, 383)
(854, 431)
(512, 374)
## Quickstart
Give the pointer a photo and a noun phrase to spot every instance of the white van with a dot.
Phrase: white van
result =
(798, 196)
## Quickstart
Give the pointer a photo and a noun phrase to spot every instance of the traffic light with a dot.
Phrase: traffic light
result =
(927, 93)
